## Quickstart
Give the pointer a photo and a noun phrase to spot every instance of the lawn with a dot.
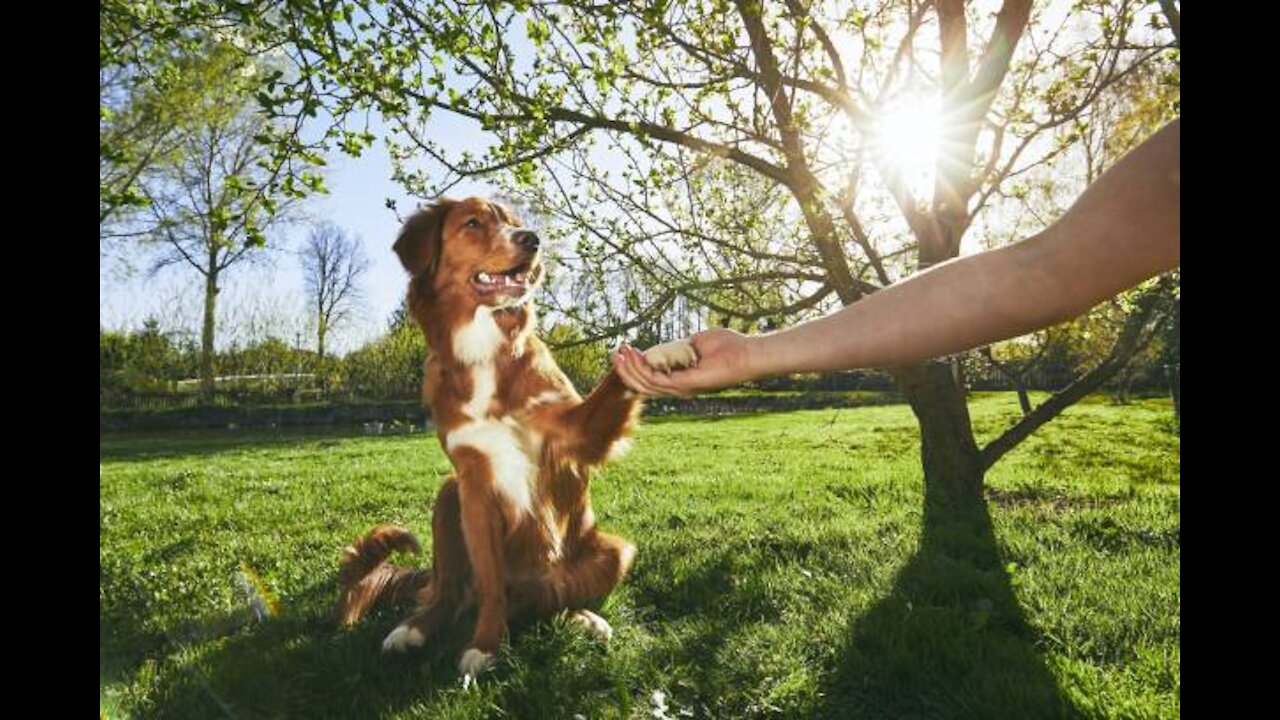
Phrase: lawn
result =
(788, 567)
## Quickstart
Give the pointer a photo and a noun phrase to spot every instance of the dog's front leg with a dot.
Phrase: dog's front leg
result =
(605, 417)
(593, 427)
(483, 526)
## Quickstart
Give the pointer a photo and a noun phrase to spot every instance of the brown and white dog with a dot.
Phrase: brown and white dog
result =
(513, 533)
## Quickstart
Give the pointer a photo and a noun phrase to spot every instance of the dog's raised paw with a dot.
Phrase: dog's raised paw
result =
(402, 639)
(669, 356)
(597, 626)
(472, 663)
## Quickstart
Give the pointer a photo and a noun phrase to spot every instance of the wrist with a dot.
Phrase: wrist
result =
(763, 356)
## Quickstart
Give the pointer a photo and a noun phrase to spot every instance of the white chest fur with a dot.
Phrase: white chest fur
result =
(511, 447)
(480, 339)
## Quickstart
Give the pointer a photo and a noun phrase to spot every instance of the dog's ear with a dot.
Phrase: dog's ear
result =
(418, 245)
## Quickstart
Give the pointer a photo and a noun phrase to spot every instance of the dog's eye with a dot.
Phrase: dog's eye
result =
(473, 223)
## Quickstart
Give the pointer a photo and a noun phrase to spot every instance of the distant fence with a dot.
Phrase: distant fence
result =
(181, 401)
(229, 391)
(406, 413)
(261, 416)
(741, 404)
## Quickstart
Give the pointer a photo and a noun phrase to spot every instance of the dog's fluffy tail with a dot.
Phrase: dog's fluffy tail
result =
(367, 580)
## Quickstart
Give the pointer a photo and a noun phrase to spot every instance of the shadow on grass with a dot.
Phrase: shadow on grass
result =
(300, 665)
(950, 641)
(295, 665)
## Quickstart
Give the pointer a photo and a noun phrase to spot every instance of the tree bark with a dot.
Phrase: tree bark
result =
(948, 451)
(1023, 398)
(206, 335)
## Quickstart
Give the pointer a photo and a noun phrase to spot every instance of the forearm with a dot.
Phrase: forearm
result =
(955, 306)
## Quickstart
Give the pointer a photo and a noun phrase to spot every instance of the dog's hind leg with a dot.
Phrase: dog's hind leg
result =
(439, 599)
(596, 568)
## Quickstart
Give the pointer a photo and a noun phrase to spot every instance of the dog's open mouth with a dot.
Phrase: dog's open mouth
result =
(515, 281)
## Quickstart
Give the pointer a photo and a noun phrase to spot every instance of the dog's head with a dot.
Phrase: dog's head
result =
(473, 250)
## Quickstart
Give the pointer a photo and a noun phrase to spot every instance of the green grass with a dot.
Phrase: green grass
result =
(789, 566)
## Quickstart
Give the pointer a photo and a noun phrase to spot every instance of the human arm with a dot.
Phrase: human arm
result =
(1123, 229)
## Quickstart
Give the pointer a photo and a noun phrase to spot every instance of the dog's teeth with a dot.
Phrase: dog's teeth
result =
(520, 278)
(484, 278)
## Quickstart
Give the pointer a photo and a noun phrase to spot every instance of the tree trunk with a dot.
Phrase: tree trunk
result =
(952, 463)
(1174, 388)
(1126, 380)
(321, 327)
(1023, 398)
(206, 337)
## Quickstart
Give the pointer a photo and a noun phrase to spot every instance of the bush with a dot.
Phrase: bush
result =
(389, 367)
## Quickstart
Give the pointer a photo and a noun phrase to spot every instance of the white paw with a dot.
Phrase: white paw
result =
(472, 663)
(671, 356)
(593, 624)
(402, 638)
(620, 447)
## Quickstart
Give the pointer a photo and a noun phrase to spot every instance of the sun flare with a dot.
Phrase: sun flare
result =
(906, 137)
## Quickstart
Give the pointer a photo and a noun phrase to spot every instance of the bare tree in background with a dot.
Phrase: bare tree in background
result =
(332, 264)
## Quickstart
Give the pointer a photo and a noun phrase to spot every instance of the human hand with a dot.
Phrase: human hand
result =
(724, 359)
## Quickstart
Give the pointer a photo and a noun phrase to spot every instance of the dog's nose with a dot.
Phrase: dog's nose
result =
(528, 240)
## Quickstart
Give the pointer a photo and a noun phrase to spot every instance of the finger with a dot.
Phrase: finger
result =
(664, 383)
(632, 375)
(636, 357)
(624, 362)
(674, 384)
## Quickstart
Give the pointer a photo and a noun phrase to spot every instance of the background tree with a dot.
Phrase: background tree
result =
(185, 163)
(210, 205)
(333, 263)
(150, 92)
(713, 147)
(143, 100)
